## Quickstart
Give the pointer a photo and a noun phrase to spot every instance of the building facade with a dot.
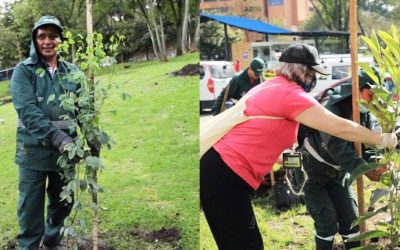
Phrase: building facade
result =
(289, 14)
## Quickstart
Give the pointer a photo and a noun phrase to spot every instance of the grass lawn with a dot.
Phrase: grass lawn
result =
(151, 174)
(4, 89)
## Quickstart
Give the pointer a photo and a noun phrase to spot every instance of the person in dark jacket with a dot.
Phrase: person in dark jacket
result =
(36, 85)
(240, 84)
(328, 160)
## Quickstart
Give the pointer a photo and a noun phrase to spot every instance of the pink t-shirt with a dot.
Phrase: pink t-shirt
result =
(251, 148)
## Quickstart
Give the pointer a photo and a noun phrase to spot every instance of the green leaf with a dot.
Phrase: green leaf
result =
(377, 195)
(78, 206)
(369, 235)
(104, 138)
(72, 153)
(364, 168)
(368, 247)
(367, 216)
(80, 152)
(83, 185)
(62, 162)
(93, 162)
(372, 46)
(51, 98)
(40, 72)
(390, 42)
(370, 72)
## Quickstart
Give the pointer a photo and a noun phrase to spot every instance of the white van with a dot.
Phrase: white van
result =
(339, 66)
(214, 76)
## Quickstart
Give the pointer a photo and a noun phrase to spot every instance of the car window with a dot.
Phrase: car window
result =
(222, 71)
(340, 72)
(201, 72)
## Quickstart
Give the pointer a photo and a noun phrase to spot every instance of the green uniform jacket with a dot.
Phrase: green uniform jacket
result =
(335, 150)
(239, 85)
(30, 93)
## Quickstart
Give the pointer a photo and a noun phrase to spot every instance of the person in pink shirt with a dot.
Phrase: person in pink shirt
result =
(234, 167)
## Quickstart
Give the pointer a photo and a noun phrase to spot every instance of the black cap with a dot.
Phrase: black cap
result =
(303, 54)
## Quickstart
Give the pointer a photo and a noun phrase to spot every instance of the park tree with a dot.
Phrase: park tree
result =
(334, 15)
(139, 20)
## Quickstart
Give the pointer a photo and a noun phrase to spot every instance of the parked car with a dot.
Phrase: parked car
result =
(214, 76)
(339, 66)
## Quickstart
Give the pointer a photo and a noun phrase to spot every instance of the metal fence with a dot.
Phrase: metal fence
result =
(6, 74)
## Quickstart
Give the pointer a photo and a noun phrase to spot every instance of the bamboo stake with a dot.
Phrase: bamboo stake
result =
(89, 27)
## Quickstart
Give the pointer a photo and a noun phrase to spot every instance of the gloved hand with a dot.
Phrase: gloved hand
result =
(389, 140)
(375, 175)
(60, 140)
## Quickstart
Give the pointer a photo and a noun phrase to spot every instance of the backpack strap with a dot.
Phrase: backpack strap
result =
(227, 88)
(315, 154)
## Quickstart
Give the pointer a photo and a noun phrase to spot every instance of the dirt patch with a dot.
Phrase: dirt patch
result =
(5, 101)
(167, 235)
(12, 244)
(187, 70)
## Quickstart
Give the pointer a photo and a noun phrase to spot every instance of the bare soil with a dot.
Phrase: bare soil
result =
(188, 69)
(166, 235)
(169, 236)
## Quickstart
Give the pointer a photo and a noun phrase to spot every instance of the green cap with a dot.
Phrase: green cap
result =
(345, 89)
(257, 65)
(48, 20)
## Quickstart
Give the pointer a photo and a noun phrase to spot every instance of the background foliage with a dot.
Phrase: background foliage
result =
(109, 17)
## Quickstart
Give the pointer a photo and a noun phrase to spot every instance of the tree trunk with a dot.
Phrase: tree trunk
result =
(158, 41)
(163, 45)
(73, 53)
(177, 14)
(153, 41)
(196, 36)
(195, 45)
(18, 48)
(185, 23)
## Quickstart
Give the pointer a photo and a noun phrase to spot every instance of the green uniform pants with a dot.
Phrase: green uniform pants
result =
(333, 209)
(32, 188)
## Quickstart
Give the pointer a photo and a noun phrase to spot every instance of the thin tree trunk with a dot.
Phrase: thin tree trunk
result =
(185, 27)
(163, 45)
(153, 41)
(196, 37)
(73, 53)
(158, 40)
(18, 48)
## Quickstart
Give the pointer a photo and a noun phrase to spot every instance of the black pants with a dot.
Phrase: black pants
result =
(225, 199)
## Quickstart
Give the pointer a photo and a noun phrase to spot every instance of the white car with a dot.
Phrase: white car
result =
(339, 67)
(214, 76)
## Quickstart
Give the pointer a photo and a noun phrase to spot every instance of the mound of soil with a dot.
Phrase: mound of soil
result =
(187, 70)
